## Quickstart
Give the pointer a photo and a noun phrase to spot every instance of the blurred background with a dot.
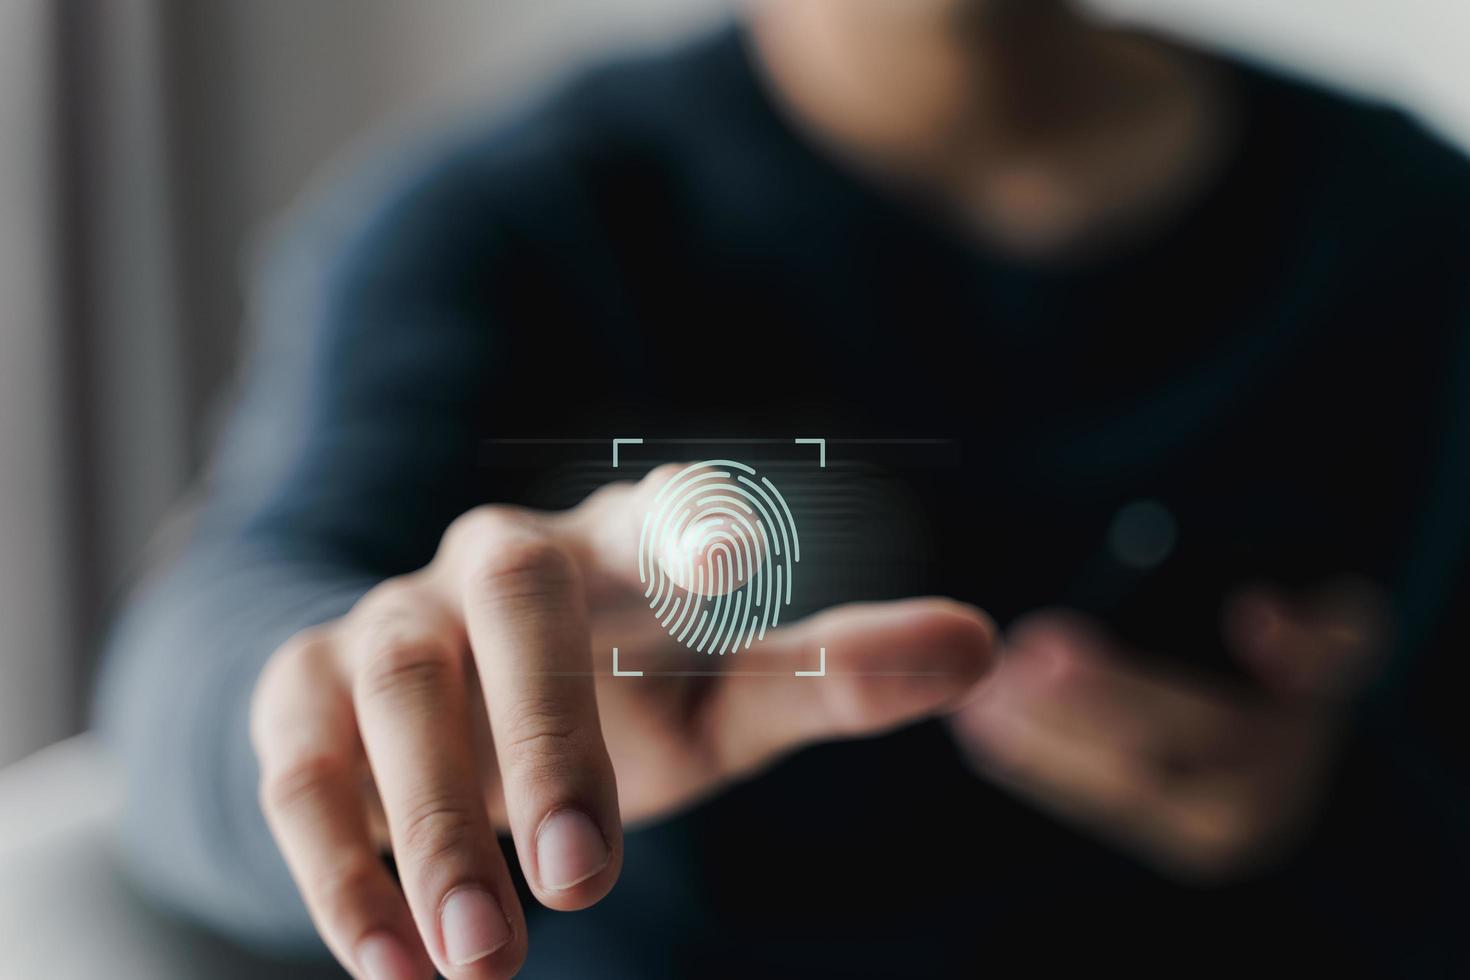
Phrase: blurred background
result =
(147, 147)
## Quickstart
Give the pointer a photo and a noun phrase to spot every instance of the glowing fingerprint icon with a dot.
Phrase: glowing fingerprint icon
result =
(716, 555)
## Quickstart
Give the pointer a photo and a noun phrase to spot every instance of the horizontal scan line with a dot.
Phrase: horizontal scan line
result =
(723, 440)
(730, 673)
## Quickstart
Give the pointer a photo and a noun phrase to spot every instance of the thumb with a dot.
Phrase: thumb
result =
(886, 664)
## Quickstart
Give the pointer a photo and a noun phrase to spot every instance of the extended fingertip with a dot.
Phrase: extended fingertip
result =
(962, 636)
(383, 956)
(941, 651)
(570, 849)
(473, 924)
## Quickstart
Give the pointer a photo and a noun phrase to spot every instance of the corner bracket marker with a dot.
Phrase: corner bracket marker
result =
(821, 445)
(821, 671)
(623, 442)
(619, 672)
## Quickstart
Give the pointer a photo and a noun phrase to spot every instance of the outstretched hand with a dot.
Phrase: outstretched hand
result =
(477, 694)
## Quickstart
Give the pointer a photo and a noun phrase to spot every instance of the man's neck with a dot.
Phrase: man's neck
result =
(1047, 131)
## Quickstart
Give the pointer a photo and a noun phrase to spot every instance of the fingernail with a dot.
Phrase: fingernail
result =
(474, 925)
(382, 957)
(569, 849)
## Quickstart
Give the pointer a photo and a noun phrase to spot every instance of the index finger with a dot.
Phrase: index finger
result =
(681, 522)
(525, 613)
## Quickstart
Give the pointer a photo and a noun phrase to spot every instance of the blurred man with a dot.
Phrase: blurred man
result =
(1202, 333)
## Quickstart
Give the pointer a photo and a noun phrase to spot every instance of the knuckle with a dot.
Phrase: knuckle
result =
(528, 553)
(394, 612)
(306, 644)
(400, 643)
(609, 495)
(543, 742)
(527, 565)
(438, 829)
(502, 553)
(292, 665)
(536, 746)
(395, 666)
(478, 529)
(302, 782)
(297, 656)
(662, 474)
(390, 598)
